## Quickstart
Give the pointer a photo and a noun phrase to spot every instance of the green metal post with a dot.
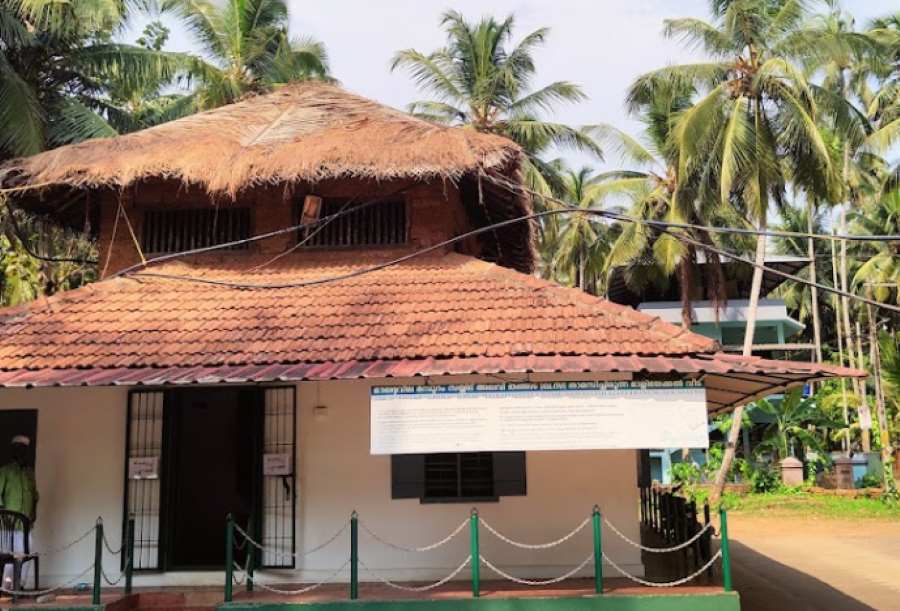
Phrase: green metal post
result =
(476, 555)
(129, 554)
(98, 561)
(726, 555)
(250, 562)
(598, 552)
(354, 556)
(251, 555)
(229, 556)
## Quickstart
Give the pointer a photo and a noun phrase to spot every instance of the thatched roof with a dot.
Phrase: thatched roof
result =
(303, 132)
(306, 132)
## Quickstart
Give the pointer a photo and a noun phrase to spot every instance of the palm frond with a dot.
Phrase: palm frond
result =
(704, 75)
(696, 33)
(547, 98)
(429, 72)
(73, 121)
(130, 67)
(629, 149)
(21, 114)
(736, 148)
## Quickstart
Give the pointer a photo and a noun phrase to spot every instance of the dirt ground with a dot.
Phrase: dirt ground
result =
(803, 564)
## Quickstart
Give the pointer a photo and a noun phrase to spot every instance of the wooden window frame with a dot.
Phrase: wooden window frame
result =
(156, 241)
(409, 478)
(370, 206)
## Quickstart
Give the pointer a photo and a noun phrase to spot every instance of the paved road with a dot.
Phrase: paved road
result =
(799, 565)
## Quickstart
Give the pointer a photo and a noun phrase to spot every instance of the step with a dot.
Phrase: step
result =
(176, 608)
(159, 600)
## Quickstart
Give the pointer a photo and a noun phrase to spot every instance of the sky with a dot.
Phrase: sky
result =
(600, 44)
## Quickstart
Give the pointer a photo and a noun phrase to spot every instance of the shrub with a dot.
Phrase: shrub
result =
(764, 479)
(869, 480)
(685, 473)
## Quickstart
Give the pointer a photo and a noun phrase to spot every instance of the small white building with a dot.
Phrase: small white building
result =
(239, 380)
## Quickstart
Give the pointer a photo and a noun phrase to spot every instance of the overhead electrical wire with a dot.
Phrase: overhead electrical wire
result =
(772, 233)
(17, 230)
(256, 238)
(492, 227)
(662, 226)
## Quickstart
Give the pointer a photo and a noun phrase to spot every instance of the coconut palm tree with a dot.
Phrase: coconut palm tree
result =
(248, 46)
(800, 298)
(648, 181)
(881, 268)
(483, 80)
(756, 118)
(883, 105)
(581, 243)
(58, 62)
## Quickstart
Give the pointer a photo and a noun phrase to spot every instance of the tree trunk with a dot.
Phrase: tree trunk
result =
(749, 332)
(581, 264)
(685, 281)
(814, 292)
(858, 388)
(840, 338)
(887, 453)
(863, 400)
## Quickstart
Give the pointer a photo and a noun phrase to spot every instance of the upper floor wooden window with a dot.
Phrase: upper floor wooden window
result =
(186, 229)
(381, 223)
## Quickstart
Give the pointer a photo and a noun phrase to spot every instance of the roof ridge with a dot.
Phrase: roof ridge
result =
(583, 299)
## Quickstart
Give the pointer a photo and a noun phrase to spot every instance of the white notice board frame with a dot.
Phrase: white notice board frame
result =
(537, 416)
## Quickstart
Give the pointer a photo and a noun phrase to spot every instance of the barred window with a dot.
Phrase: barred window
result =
(458, 476)
(167, 231)
(381, 223)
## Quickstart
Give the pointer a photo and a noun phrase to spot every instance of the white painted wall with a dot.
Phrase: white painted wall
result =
(80, 464)
(80, 471)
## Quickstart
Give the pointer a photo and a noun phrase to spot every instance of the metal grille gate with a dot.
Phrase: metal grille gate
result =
(143, 494)
(279, 491)
(143, 500)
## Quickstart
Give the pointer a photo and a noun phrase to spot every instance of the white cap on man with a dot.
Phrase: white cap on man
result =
(21, 440)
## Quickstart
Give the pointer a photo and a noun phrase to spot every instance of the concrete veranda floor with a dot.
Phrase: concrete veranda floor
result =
(815, 564)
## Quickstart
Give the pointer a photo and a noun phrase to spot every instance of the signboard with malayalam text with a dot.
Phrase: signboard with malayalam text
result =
(537, 416)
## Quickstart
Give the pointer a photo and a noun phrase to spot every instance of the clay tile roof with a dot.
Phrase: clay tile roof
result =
(436, 306)
(432, 315)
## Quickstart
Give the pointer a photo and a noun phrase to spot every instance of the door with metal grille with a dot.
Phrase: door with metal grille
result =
(143, 475)
(149, 446)
(279, 487)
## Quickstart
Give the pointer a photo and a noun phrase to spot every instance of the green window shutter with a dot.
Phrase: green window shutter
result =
(407, 476)
(509, 474)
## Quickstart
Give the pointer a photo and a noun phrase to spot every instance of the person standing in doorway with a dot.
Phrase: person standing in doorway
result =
(18, 492)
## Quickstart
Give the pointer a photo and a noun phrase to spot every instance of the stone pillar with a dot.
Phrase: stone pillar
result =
(843, 472)
(791, 472)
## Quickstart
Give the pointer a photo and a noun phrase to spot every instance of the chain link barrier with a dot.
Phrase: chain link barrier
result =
(548, 545)
(659, 550)
(668, 584)
(424, 588)
(106, 544)
(426, 548)
(303, 590)
(62, 586)
(537, 582)
(280, 554)
(67, 546)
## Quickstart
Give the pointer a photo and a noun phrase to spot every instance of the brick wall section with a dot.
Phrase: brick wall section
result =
(435, 212)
